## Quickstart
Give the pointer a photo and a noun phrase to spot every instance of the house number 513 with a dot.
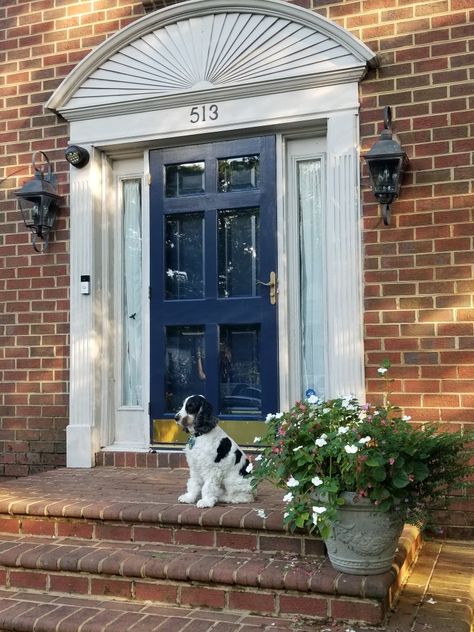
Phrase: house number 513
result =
(201, 113)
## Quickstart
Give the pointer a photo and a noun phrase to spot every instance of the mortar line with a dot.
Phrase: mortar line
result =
(425, 590)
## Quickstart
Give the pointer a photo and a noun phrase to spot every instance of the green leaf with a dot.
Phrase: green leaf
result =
(420, 470)
(401, 479)
(386, 505)
(375, 460)
(379, 474)
(301, 520)
(380, 493)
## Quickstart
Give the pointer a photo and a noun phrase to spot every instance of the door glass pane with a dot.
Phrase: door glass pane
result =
(185, 364)
(184, 179)
(184, 256)
(238, 242)
(311, 271)
(239, 371)
(132, 294)
(238, 174)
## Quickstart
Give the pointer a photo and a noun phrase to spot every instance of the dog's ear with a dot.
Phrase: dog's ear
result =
(204, 420)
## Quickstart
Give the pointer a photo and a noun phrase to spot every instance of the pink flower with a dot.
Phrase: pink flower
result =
(391, 460)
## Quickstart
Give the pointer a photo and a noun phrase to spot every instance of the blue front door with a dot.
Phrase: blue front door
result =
(213, 279)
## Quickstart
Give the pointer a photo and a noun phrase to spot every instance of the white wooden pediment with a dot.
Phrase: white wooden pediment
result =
(210, 47)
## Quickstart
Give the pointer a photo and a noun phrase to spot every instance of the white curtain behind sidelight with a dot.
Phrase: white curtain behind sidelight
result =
(132, 294)
(312, 275)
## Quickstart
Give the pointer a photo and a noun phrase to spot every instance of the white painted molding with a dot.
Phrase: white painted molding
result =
(344, 262)
(210, 49)
(81, 434)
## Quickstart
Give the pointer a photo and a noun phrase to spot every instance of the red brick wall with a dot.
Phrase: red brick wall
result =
(39, 46)
(418, 282)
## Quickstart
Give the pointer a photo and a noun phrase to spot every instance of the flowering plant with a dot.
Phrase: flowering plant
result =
(319, 449)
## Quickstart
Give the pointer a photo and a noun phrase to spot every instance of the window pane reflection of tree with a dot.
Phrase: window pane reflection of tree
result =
(184, 256)
(240, 387)
(238, 244)
(185, 364)
(238, 174)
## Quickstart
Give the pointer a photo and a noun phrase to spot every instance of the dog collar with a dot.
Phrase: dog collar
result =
(191, 441)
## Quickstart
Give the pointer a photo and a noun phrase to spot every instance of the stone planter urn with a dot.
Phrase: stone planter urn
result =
(364, 539)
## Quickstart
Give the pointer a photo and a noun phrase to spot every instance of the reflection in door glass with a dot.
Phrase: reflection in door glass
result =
(312, 275)
(132, 317)
(238, 237)
(184, 256)
(238, 174)
(239, 370)
(185, 364)
(184, 179)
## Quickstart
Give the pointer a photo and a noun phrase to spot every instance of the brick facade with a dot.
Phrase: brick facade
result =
(418, 282)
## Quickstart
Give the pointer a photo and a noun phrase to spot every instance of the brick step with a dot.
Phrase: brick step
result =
(161, 519)
(219, 527)
(121, 533)
(34, 611)
(262, 583)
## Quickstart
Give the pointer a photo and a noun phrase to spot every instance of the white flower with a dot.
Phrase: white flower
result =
(317, 511)
(258, 457)
(382, 370)
(287, 498)
(321, 441)
(261, 513)
(257, 439)
(346, 403)
(365, 439)
(269, 417)
(326, 410)
(292, 482)
(298, 448)
(351, 449)
(362, 415)
(286, 514)
(249, 468)
(313, 399)
(342, 430)
(316, 481)
(406, 417)
(278, 415)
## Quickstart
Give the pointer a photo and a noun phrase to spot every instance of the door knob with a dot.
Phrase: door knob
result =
(272, 284)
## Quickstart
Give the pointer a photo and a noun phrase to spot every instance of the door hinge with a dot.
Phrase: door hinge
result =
(148, 175)
(149, 292)
(149, 408)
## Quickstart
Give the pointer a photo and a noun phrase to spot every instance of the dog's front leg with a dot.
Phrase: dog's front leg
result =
(211, 490)
(194, 487)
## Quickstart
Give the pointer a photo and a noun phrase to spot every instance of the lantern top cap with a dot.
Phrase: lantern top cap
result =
(42, 183)
(386, 146)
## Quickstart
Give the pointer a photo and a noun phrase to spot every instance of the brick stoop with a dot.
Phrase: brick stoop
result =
(119, 533)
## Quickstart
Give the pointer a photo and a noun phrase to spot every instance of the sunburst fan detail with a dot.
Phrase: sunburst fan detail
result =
(210, 51)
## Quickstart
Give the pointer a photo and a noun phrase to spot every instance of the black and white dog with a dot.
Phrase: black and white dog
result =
(217, 466)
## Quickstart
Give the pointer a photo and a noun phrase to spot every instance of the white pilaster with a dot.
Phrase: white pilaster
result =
(344, 261)
(82, 433)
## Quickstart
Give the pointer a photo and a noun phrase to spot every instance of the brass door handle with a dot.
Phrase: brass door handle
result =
(272, 284)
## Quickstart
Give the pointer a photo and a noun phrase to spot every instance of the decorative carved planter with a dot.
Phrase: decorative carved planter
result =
(364, 539)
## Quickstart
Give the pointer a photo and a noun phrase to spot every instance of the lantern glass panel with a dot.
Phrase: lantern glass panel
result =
(385, 175)
(38, 212)
(30, 210)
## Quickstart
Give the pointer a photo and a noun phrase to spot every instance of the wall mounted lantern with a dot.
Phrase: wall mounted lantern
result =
(77, 156)
(387, 161)
(38, 202)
